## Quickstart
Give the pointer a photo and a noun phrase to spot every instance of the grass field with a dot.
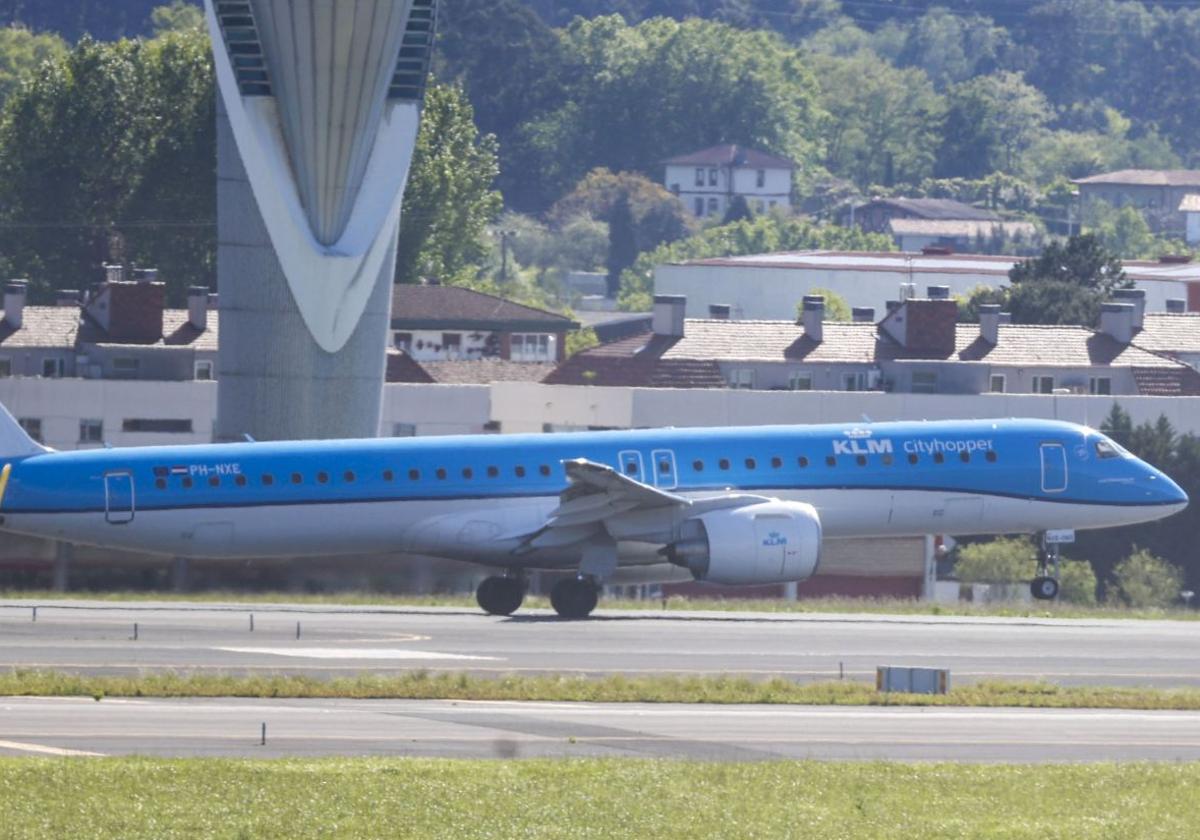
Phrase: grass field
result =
(422, 685)
(580, 798)
(883, 606)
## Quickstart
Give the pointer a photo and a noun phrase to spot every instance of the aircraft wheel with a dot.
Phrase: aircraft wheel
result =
(1044, 588)
(500, 595)
(574, 598)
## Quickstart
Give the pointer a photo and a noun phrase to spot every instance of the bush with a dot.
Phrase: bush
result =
(998, 561)
(1078, 582)
(1143, 580)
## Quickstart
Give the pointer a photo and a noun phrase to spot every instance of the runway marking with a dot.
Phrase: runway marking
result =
(20, 746)
(361, 653)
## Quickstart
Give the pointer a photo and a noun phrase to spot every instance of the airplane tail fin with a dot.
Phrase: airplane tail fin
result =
(14, 441)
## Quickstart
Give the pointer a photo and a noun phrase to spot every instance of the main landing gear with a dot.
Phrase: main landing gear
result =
(1045, 586)
(501, 595)
(575, 597)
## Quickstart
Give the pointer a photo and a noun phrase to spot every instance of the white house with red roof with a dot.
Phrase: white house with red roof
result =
(706, 181)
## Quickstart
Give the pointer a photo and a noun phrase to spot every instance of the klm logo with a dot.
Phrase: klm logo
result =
(775, 538)
(862, 447)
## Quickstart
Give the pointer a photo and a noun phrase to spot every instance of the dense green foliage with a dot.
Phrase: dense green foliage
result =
(1013, 560)
(1065, 284)
(144, 798)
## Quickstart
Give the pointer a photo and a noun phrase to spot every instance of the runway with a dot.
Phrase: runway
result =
(233, 728)
(99, 637)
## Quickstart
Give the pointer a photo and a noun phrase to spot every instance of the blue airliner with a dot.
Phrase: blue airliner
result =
(734, 506)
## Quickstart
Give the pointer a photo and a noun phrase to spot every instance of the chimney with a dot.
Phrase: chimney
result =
(863, 314)
(924, 326)
(989, 323)
(66, 297)
(812, 317)
(1005, 318)
(891, 306)
(719, 311)
(198, 307)
(668, 315)
(114, 273)
(14, 302)
(1138, 298)
(1116, 320)
(938, 292)
(145, 275)
(1176, 306)
(907, 290)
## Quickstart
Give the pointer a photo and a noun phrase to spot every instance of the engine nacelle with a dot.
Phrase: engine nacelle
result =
(768, 542)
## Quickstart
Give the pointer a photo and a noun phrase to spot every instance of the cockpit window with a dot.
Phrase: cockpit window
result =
(1108, 449)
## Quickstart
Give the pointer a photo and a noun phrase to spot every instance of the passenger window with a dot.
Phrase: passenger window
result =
(441, 473)
(912, 458)
(240, 480)
(214, 481)
(802, 461)
(631, 468)
(468, 473)
(519, 470)
(323, 477)
(939, 458)
(991, 456)
(348, 476)
(161, 472)
(723, 463)
(698, 466)
(544, 469)
(750, 464)
(493, 472)
(830, 461)
(861, 460)
(388, 475)
(888, 460)
(160, 483)
(297, 478)
(414, 475)
(965, 457)
(187, 483)
(268, 479)
(1104, 449)
(776, 462)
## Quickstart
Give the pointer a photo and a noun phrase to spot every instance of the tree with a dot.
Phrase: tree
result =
(1066, 284)
(738, 210)
(996, 561)
(836, 307)
(658, 216)
(622, 243)
(1144, 580)
(180, 16)
(21, 53)
(449, 200)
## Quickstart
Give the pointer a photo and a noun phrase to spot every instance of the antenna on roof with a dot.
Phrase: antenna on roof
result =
(248, 438)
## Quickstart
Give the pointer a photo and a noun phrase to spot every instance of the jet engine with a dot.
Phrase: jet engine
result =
(767, 542)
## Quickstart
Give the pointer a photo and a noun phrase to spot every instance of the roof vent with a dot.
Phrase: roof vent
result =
(1116, 320)
(66, 297)
(812, 317)
(1138, 298)
(719, 311)
(989, 323)
(1176, 306)
(938, 292)
(667, 318)
(863, 314)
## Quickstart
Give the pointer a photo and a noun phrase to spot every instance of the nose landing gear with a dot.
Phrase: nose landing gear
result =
(1044, 587)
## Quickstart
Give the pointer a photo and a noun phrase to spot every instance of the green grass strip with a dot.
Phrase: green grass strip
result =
(880, 606)
(426, 685)
(585, 798)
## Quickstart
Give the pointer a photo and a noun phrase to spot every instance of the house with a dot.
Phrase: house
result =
(917, 347)
(1157, 193)
(706, 181)
(434, 323)
(875, 215)
(769, 286)
(1189, 206)
(1174, 333)
(956, 235)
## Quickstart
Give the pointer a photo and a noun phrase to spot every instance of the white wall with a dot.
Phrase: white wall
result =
(437, 409)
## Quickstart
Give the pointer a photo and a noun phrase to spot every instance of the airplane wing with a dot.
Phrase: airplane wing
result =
(596, 492)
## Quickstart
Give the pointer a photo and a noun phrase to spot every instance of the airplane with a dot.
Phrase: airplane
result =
(746, 505)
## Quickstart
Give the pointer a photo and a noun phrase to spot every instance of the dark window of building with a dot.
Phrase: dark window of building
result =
(32, 427)
(168, 426)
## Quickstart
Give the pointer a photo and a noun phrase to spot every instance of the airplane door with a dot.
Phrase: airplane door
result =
(665, 477)
(631, 464)
(118, 498)
(1054, 468)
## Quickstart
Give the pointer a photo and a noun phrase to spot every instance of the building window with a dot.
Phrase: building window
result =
(760, 206)
(125, 368)
(1100, 385)
(996, 384)
(5, 367)
(91, 431)
(712, 177)
(403, 341)
(404, 430)
(203, 370)
(854, 381)
(699, 206)
(53, 368)
(531, 348)
(714, 207)
(452, 345)
(699, 177)
(32, 427)
(800, 381)
(163, 425)
(924, 382)
(742, 378)
(760, 178)
(1043, 384)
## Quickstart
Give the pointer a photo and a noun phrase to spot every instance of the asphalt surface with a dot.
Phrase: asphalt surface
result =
(92, 637)
(233, 728)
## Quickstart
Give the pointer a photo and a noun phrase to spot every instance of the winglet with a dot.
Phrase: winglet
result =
(14, 442)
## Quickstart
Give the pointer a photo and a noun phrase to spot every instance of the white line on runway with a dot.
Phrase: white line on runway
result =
(19, 746)
(360, 653)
